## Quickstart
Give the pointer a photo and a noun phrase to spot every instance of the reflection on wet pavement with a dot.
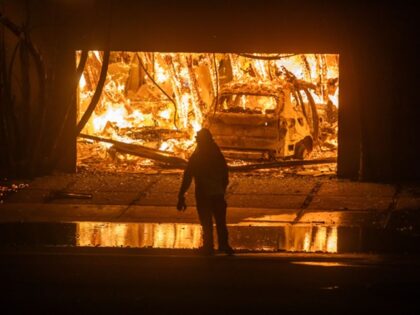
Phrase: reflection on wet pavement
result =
(175, 235)
(324, 232)
(279, 237)
(142, 235)
(325, 264)
(311, 238)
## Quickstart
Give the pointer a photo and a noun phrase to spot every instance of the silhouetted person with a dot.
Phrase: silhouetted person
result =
(208, 167)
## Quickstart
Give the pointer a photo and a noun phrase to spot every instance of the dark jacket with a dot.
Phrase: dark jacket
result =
(208, 167)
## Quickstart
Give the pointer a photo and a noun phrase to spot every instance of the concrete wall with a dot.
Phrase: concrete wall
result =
(378, 100)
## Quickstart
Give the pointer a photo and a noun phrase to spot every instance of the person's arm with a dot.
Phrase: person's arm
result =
(186, 179)
(225, 170)
(225, 173)
(186, 182)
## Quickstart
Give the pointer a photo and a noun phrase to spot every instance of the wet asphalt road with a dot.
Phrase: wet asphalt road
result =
(122, 281)
(40, 273)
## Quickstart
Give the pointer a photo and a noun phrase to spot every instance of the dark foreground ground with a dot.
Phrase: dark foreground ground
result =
(123, 281)
(109, 243)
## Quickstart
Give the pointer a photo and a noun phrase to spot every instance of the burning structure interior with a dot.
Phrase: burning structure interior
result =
(173, 67)
(258, 107)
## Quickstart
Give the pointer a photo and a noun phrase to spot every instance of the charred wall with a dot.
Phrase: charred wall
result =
(378, 98)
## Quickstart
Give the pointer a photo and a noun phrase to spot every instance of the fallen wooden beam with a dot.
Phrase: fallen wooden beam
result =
(158, 156)
(279, 164)
(142, 151)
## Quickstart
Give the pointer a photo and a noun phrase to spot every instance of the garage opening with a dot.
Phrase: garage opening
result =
(259, 107)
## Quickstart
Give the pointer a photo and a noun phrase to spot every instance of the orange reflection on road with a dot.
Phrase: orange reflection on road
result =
(310, 238)
(142, 235)
(253, 236)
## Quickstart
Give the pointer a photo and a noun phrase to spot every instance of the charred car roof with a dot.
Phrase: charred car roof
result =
(255, 87)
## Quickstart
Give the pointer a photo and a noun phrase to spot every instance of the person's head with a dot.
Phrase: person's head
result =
(204, 137)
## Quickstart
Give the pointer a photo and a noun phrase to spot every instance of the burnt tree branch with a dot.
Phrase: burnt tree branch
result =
(16, 30)
(39, 119)
(11, 124)
(96, 96)
(81, 65)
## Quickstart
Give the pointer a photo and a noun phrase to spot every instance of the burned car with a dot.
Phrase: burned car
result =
(261, 120)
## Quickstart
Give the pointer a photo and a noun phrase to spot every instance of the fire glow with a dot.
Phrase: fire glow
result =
(160, 100)
(289, 238)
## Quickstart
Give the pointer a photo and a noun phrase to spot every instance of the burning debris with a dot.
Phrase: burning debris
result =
(263, 106)
(7, 188)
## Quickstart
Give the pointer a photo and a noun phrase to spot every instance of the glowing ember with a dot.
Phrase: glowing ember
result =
(82, 82)
(334, 98)
(166, 114)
